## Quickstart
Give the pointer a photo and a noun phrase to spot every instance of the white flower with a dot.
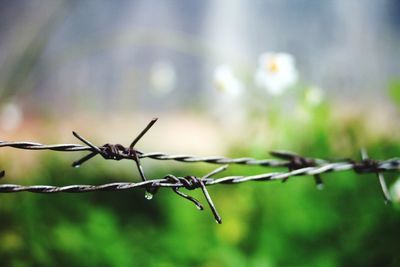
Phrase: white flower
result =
(162, 77)
(10, 117)
(228, 105)
(226, 82)
(314, 96)
(276, 72)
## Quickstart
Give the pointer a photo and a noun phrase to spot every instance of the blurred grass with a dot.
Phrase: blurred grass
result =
(264, 224)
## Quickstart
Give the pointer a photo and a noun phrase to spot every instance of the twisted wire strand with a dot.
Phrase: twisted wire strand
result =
(298, 166)
(151, 155)
(383, 166)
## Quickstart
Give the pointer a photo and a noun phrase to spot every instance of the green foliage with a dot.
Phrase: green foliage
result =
(394, 92)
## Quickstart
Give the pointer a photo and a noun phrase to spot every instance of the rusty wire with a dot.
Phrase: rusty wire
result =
(297, 166)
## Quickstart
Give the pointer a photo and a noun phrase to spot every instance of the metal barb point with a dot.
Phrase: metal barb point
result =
(191, 183)
(210, 203)
(372, 164)
(385, 190)
(296, 162)
(207, 195)
(364, 154)
(93, 147)
(216, 171)
(95, 151)
(115, 152)
(174, 179)
(134, 153)
(143, 132)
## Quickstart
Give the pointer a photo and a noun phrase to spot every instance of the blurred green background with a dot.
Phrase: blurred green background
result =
(219, 85)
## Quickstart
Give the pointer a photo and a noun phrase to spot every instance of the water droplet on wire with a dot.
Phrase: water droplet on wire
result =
(148, 196)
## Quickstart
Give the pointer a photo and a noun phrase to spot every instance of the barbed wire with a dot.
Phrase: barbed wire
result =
(296, 164)
(152, 155)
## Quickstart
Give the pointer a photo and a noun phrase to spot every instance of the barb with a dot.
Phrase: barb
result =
(296, 164)
(372, 165)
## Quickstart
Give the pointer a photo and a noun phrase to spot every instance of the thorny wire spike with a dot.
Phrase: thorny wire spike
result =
(191, 183)
(2, 173)
(117, 151)
(298, 162)
(368, 164)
